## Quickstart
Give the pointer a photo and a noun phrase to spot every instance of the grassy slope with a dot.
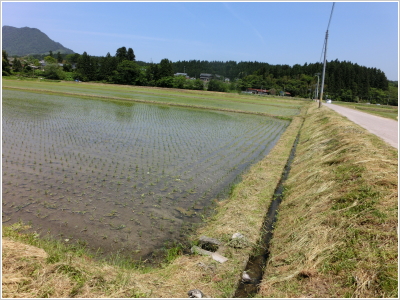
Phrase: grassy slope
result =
(68, 271)
(336, 234)
(390, 112)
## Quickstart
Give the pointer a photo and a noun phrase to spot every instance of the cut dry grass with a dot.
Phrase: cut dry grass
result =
(75, 274)
(336, 234)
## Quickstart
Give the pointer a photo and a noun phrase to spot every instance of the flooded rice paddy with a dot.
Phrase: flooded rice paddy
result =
(121, 177)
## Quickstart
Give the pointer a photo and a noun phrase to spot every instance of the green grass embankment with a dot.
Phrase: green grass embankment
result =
(336, 234)
(390, 112)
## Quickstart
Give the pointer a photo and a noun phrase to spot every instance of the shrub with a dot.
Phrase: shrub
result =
(217, 86)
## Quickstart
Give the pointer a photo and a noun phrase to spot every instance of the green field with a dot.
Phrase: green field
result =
(272, 106)
(390, 112)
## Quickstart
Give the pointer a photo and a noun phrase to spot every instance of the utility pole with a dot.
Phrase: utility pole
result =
(317, 74)
(326, 47)
(323, 71)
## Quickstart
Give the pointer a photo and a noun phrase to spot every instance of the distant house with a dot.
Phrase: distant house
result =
(182, 74)
(205, 76)
(258, 91)
(42, 64)
(282, 93)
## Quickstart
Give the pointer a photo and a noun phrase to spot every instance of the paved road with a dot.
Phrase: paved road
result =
(386, 129)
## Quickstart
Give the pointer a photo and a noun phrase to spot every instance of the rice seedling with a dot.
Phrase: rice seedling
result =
(169, 158)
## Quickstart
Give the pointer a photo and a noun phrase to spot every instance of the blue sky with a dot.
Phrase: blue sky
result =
(290, 33)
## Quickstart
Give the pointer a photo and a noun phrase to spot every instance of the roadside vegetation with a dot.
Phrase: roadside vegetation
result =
(386, 111)
(336, 234)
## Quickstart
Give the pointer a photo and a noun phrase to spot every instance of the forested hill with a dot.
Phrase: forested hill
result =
(26, 40)
(343, 79)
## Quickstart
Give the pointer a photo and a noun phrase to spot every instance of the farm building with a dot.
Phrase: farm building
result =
(258, 91)
(205, 76)
(182, 74)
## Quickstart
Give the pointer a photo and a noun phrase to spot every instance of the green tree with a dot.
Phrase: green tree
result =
(127, 72)
(72, 58)
(121, 54)
(167, 82)
(153, 74)
(67, 67)
(86, 68)
(50, 60)
(216, 85)
(51, 53)
(108, 65)
(179, 82)
(59, 57)
(393, 94)
(141, 79)
(17, 66)
(5, 65)
(198, 84)
(130, 55)
(166, 69)
(53, 71)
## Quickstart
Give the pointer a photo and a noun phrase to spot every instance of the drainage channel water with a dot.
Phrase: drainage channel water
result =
(257, 262)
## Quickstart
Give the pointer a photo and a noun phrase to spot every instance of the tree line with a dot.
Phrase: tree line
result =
(344, 81)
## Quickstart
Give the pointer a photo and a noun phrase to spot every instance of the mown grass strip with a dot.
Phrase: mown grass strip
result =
(336, 234)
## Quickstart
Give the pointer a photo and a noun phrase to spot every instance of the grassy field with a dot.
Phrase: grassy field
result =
(336, 234)
(272, 106)
(390, 112)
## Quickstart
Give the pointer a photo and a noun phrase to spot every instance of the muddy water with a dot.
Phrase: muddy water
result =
(121, 177)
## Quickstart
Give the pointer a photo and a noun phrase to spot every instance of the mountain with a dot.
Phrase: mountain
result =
(26, 40)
